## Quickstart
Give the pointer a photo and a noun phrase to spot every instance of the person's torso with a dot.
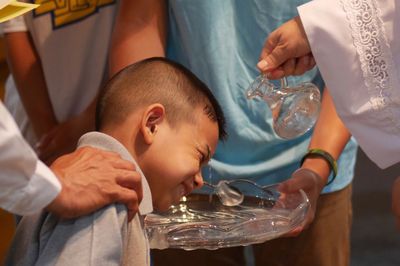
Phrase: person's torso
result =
(72, 40)
(220, 41)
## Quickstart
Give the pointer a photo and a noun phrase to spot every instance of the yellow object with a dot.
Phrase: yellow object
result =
(11, 9)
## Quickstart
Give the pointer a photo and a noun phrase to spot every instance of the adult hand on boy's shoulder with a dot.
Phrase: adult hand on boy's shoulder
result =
(92, 178)
(312, 184)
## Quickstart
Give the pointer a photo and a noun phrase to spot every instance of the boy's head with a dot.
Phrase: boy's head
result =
(168, 120)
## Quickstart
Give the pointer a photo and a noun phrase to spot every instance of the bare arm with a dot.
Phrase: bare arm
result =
(63, 137)
(331, 135)
(29, 79)
(139, 32)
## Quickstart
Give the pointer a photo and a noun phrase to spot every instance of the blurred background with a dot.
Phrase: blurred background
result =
(375, 240)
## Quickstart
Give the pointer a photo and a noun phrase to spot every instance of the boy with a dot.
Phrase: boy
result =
(159, 115)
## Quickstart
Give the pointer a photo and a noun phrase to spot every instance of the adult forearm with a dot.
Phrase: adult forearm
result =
(26, 185)
(27, 72)
(330, 134)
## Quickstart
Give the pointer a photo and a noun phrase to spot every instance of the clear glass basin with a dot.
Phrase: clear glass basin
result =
(201, 221)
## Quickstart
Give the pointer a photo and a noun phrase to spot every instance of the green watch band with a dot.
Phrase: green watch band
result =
(327, 157)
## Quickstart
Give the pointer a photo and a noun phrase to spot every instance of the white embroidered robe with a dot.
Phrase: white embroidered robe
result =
(356, 44)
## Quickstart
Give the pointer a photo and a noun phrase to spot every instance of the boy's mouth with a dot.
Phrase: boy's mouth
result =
(185, 189)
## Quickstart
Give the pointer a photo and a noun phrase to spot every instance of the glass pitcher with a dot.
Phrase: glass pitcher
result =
(294, 109)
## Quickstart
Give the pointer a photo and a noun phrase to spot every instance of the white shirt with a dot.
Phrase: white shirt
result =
(26, 184)
(72, 41)
(356, 45)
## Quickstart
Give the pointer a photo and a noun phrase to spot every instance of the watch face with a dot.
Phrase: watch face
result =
(202, 221)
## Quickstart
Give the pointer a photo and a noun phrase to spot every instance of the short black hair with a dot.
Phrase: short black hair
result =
(157, 80)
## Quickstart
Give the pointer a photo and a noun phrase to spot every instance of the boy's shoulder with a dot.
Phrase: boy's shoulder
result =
(45, 239)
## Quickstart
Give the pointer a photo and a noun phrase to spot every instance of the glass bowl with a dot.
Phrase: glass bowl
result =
(200, 221)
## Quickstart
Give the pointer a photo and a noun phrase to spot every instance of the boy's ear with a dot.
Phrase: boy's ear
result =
(152, 118)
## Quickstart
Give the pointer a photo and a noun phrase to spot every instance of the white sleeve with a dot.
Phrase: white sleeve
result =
(353, 43)
(14, 25)
(26, 184)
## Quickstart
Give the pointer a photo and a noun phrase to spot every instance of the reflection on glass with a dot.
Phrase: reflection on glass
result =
(202, 221)
(228, 195)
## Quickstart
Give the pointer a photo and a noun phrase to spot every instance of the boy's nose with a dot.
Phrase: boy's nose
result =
(198, 181)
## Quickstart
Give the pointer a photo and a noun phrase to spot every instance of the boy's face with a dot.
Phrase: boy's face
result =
(173, 161)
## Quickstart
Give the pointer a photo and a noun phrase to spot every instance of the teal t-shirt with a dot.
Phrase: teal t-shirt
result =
(220, 41)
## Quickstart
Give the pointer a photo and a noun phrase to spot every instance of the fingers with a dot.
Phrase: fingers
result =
(294, 66)
(122, 164)
(127, 182)
(274, 53)
(130, 199)
(303, 64)
(289, 66)
(304, 225)
(126, 196)
(292, 185)
(263, 64)
(77, 199)
(295, 232)
(273, 60)
(309, 182)
(276, 73)
(270, 44)
(132, 181)
(113, 158)
(90, 151)
(287, 47)
(91, 179)
(302, 178)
